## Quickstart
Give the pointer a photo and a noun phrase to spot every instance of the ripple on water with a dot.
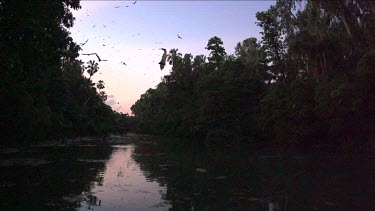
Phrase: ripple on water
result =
(8, 150)
(120, 146)
(24, 162)
(91, 160)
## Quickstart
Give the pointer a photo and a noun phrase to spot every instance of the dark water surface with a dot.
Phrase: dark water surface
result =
(139, 172)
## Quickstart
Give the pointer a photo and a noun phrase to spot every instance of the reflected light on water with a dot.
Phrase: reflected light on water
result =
(124, 186)
(151, 173)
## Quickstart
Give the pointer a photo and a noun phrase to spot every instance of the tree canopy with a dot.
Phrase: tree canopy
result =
(308, 80)
(44, 93)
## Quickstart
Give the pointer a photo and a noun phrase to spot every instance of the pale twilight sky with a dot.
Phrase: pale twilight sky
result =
(134, 34)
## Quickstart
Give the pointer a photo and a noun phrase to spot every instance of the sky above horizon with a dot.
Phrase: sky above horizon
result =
(120, 31)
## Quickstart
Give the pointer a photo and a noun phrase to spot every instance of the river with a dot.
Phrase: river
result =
(141, 172)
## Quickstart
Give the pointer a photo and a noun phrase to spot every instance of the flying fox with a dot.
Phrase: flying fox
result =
(88, 54)
(163, 59)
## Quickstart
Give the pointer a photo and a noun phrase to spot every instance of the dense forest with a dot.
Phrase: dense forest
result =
(309, 80)
(44, 93)
(286, 122)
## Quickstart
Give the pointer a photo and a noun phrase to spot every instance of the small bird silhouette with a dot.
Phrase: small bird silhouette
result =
(135, 2)
(163, 59)
(118, 7)
(88, 54)
(124, 63)
(93, 26)
(179, 36)
(82, 44)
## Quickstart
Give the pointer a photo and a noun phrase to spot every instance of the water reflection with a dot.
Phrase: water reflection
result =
(54, 185)
(152, 173)
(255, 179)
(124, 186)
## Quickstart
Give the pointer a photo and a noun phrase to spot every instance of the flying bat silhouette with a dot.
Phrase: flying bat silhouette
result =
(88, 54)
(163, 59)
(82, 44)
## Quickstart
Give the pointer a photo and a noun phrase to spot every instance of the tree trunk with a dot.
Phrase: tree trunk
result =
(347, 27)
(350, 23)
(372, 6)
(85, 103)
(325, 70)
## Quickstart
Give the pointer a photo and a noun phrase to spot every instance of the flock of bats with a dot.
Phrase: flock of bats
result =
(161, 63)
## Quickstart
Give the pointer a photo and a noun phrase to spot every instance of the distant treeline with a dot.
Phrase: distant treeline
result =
(43, 92)
(310, 79)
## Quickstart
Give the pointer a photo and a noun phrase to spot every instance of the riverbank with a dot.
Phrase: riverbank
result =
(144, 172)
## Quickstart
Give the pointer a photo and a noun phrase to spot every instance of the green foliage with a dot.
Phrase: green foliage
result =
(309, 80)
(43, 91)
(193, 100)
(92, 67)
(217, 51)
